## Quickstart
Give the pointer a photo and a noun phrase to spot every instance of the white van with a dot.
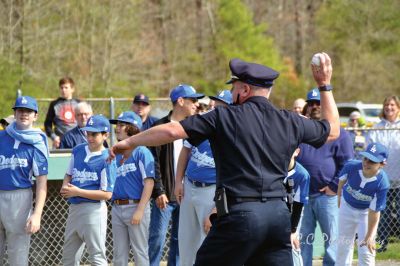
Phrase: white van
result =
(370, 111)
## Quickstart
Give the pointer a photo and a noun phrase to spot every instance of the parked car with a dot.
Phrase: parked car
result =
(370, 111)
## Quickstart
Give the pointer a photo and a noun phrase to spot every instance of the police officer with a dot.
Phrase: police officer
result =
(252, 143)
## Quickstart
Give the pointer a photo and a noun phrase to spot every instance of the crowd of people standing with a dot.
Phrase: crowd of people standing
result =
(210, 175)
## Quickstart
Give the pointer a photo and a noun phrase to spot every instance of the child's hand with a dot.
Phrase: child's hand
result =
(32, 224)
(370, 243)
(69, 191)
(338, 202)
(137, 217)
(295, 241)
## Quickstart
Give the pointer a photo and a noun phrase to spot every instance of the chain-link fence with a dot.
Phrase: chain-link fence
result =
(47, 245)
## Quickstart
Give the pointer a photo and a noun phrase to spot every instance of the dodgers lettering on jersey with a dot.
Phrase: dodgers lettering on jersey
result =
(361, 192)
(301, 179)
(201, 165)
(18, 163)
(130, 175)
(89, 170)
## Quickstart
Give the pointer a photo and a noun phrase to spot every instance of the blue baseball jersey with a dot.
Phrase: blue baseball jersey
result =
(201, 165)
(89, 170)
(19, 162)
(361, 192)
(130, 175)
(301, 180)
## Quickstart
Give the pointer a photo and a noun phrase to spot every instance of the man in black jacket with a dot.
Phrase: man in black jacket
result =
(184, 99)
(61, 112)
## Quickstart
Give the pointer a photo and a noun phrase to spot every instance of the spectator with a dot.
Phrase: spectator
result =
(165, 208)
(388, 134)
(141, 106)
(83, 111)
(61, 112)
(204, 105)
(323, 165)
(6, 121)
(194, 191)
(358, 136)
(23, 154)
(298, 105)
(364, 186)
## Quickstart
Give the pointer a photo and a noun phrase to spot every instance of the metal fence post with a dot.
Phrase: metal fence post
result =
(112, 115)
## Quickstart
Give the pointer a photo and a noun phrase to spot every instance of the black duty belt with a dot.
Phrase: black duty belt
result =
(200, 184)
(125, 201)
(236, 200)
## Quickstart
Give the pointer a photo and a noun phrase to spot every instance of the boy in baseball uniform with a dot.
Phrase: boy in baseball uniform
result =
(132, 192)
(361, 196)
(23, 154)
(299, 181)
(88, 183)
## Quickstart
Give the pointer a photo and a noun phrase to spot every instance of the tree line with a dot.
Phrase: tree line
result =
(119, 48)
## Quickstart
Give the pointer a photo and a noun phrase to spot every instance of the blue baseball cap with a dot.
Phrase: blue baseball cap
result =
(313, 95)
(26, 102)
(97, 123)
(375, 152)
(184, 91)
(251, 73)
(128, 117)
(223, 96)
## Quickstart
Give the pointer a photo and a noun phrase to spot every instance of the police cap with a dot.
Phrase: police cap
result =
(252, 73)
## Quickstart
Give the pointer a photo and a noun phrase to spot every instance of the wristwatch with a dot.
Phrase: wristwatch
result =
(325, 88)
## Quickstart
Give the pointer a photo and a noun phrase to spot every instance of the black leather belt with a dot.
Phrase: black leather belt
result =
(125, 201)
(237, 200)
(200, 184)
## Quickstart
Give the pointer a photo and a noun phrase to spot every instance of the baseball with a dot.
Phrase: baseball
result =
(316, 60)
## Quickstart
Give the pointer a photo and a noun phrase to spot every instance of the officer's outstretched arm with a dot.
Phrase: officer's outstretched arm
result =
(322, 75)
(154, 136)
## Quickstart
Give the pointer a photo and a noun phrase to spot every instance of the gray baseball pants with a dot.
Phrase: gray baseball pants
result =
(196, 205)
(86, 224)
(127, 235)
(15, 209)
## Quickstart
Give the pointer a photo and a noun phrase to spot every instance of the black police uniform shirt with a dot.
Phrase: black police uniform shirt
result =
(252, 144)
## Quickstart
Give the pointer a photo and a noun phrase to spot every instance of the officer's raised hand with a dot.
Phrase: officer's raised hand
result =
(322, 73)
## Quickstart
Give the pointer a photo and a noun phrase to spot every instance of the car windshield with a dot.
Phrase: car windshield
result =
(372, 111)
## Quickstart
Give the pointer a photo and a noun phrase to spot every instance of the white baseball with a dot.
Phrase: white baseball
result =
(316, 59)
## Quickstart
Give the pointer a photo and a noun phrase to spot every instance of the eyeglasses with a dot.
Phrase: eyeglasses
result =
(83, 114)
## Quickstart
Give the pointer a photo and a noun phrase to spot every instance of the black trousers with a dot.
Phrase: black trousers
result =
(254, 233)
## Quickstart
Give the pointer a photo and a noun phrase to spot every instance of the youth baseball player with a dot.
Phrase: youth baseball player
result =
(195, 190)
(23, 154)
(89, 181)
(300, 187)
(132, 192)
(361, 196)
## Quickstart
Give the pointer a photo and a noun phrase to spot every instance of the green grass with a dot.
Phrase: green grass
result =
(392, 253)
